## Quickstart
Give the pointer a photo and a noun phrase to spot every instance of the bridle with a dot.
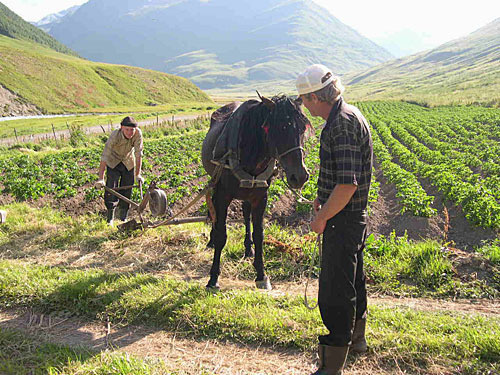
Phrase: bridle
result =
(278, 157)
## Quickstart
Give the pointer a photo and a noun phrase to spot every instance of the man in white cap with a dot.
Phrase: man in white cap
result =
(340, 215)
(122, 161)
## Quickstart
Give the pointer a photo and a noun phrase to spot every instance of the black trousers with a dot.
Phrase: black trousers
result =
(118, 176)
(342, 281)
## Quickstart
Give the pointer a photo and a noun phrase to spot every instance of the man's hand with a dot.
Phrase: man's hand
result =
(139, 179)
(318, 225)
(100, 184)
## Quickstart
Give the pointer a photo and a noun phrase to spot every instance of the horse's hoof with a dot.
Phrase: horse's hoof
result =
(212, 288)
(264, 283)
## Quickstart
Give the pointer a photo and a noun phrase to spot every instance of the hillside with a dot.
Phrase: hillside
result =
(219, 43)
(59, 83)
(465, 71)
(13, 26)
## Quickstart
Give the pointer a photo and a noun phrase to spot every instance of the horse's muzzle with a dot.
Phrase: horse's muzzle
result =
(297, 180)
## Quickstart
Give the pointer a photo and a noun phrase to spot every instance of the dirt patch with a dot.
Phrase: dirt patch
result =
(185, 355)
(449, 225)
(386, 216)
(13, 105)
(177, 351)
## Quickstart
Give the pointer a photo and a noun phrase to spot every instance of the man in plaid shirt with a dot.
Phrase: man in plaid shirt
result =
(340, 215)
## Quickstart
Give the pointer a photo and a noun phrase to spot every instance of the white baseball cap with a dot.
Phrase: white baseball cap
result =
(311, 79)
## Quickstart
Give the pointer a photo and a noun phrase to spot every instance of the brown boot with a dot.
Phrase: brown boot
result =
(358, 337)
(331, 359)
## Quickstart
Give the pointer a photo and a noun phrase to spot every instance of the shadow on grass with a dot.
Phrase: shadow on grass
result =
(114, 300)
(21, 355)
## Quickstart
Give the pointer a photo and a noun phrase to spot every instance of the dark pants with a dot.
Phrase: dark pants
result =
(118, 176)
(342, 282)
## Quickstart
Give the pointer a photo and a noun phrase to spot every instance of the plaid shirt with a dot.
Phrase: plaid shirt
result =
(119, 149)
(346, 155)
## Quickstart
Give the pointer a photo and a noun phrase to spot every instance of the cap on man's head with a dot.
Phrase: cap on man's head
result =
(129, 121)
(314, 78)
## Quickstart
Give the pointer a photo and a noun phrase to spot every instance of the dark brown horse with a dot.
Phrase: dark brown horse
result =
(267, 131)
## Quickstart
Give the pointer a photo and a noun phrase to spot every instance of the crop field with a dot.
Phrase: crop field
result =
(78, 296)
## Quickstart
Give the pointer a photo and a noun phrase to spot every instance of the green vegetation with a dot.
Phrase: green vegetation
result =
(492, 252)
(451, 339)
(464, 71)
(395, 265)
(24, 355)
(47, 257)
(70, 84)
(459, 158)
(31, 176)
(13, 26)
(165, 113)
(455, 148)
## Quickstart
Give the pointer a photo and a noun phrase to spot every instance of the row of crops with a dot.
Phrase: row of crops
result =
(455, 150)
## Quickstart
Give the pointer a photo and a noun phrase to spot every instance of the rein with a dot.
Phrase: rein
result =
(309, 273)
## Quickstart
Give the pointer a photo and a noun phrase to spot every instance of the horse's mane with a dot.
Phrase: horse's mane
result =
(252, 144)
(260, 121)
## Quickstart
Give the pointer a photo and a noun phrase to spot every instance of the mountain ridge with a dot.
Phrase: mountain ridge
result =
(463, 71)
(217, 43)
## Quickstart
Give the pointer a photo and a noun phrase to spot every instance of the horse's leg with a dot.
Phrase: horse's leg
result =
(218, 235)
(258, 208)
(247, 209)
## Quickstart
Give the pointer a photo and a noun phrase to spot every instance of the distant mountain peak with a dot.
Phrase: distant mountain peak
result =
(47, 22)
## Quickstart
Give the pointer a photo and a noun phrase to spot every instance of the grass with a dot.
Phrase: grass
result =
(15, 27)
(491, 251)
(70, 84)
(451, 339)
(395, 265)
(463, 71)
(25, 127)
(24, 355)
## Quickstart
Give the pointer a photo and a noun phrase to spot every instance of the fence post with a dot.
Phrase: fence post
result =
(54, 131)
(15, 132)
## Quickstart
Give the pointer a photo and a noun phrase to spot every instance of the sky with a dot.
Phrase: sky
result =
(438, 21)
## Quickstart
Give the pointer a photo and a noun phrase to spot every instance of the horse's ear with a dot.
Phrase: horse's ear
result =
(267, 102)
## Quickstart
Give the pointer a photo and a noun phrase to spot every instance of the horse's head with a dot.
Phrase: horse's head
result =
(285, 127)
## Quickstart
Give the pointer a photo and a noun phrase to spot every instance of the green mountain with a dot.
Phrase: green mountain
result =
(13, 26)
(463, 71)
(216, 43)
(60, 83)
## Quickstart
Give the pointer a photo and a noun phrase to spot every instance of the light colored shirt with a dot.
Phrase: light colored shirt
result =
(120, 149)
